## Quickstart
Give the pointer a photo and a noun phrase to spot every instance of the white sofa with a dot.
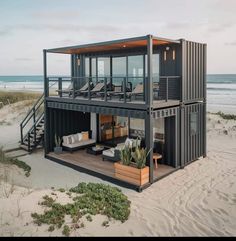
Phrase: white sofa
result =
(75, 142)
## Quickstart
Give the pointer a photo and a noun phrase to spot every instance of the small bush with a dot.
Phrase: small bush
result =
(14, 161)
(94, 199)
(226, 116)
(89, 218)
(61, 190)
(66, 231)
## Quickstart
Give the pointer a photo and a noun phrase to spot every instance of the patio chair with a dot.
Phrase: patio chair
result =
(68, 90)
(99, 87)
(83, 88)
(137, 91)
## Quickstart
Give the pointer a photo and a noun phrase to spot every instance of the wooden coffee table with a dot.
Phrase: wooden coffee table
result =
(156, 156)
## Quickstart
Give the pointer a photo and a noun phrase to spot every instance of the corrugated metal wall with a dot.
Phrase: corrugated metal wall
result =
(193, 145)
(64, 122)
(193, 71)
(173, 89)
(172, 135)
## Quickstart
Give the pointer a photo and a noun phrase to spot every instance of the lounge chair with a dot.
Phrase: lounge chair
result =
(137, 91)
(83, 88)
(68, 90)
(99, 87)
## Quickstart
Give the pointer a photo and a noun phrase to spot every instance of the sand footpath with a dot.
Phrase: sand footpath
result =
(199, 200)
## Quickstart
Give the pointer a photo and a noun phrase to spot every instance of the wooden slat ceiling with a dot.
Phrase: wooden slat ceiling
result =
(109, 47)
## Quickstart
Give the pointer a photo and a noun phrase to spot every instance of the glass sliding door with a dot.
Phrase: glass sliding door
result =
(113, 129)
(135, 70)
(118, 71)
(156, 76)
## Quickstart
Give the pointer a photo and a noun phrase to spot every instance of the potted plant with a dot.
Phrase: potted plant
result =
(58, 147)
(132, 166)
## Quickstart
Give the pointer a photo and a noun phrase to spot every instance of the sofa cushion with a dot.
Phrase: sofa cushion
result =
(80, 136)
(85, 135)
(110, 152)
(80, 143)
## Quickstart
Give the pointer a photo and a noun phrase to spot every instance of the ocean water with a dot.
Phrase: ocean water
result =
(221, 89)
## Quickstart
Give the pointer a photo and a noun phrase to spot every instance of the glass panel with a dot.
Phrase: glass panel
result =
(118, 70)
(94, 70)
(137, 128)
(156, 75)
(114, 129)
(135, 69)
(87, 74)
(104, 67)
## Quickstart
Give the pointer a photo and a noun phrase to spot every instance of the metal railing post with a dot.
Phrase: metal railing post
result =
(60, 86)
(28, 141)
(89, 89)
(21, 133)
(167, 88)
(124, 90)
(105, 89)
(73, 88)
(34, 134)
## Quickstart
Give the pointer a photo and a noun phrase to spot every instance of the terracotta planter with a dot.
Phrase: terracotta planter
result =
(132, 174)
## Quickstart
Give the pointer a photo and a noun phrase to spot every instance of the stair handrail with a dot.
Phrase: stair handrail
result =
(32, 113)
(34, 124)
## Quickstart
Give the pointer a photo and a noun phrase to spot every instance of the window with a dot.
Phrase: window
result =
(193, 123)
(135, 69)
(87, 66)
(118, 70)
(103, 67)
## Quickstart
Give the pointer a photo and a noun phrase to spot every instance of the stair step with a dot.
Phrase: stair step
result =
(13, 148)
(17, 153)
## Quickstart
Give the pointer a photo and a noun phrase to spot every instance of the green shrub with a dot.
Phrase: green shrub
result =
(226, 116)
(94, 199)
(66, 231)
(14, 161)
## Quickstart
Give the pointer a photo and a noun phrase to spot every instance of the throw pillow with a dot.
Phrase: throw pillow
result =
(65, 139)
(80, 136)
(71, 139)
(76, 137)
(85, 135)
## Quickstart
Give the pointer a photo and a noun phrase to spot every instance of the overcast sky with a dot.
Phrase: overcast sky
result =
(29, 26)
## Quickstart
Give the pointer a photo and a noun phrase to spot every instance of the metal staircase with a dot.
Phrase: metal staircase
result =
(32, 127)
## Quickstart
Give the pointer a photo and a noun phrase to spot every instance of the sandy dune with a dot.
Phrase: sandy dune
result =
(199, 200)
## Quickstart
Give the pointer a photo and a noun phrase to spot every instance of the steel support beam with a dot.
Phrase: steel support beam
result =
(148, 87)
(46, 93)
(149, 142)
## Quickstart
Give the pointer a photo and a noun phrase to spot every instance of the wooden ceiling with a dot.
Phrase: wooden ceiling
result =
(105, 47)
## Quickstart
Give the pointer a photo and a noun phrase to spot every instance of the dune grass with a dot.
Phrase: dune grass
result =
(14, 161)
(226, 116)
(13, 97)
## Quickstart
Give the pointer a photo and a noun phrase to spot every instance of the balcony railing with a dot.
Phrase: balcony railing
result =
(114, 89)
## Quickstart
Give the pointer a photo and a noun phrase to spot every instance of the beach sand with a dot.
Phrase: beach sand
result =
(199, 200)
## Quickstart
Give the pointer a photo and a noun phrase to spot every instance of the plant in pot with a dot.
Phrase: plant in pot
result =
(58, 147)
(132, 166)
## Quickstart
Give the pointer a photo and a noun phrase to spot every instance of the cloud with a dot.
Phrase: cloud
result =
(4, 32)
(24, 59)
(231, 43)
(62, 28)
(219, 27)
(55, 14)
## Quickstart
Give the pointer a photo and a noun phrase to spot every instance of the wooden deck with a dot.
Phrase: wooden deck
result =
(95, 163)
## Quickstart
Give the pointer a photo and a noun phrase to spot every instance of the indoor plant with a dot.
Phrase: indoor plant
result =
(58, 147)
(132, 166)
